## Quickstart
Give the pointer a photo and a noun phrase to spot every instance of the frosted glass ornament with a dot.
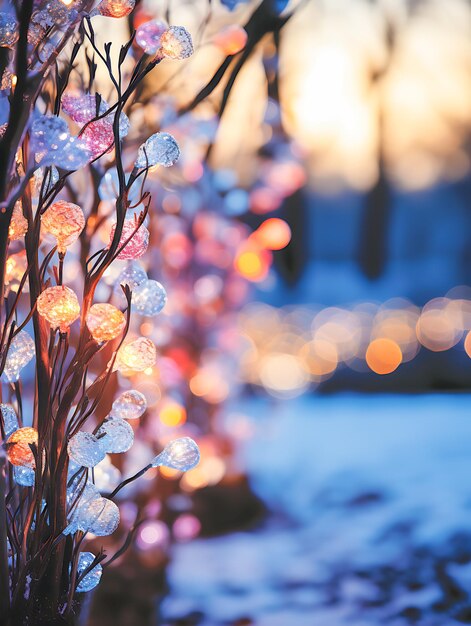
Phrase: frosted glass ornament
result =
(104, 515)
(136, 356)
(92, 579)
(148, 35)
(19, 223)
(138, 240)
(158, 149)
(114, 8)
(59, 306)
(10, 419)
(106, 476)
(52, 178)
(115, 435)
(79, 496)
(15, 269)
(132, 276)
(149, 298)
(105, 322)
(9, 31)
(82, 108)
(20, 353)
(181, 454)
(84, 448)
(52, 144)
(176, 43)
(129, 405)
(65, 221)
(23, 476)
(18, 446)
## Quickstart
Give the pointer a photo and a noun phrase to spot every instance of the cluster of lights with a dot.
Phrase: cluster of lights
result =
(289, 349)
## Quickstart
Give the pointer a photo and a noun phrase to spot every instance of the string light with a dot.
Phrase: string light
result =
(59, 306)
(85, 449)
(138, 240)
(105, 322)
(18, 224)
(149, 298)
(180, 454)
(18, 447)
(92, 578)
(20, 353)
(136, 356)
(115, 435)
(176, 43)
(114, 8)
(65, 221)
(129, 405)
(9, 418)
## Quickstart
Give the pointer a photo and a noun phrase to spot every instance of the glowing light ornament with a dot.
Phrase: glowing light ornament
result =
(85, 449)
(9, 31)
(115, 435)
(159, 149)
(114, 8)
(148, 35)
(20, 353)
(136, 356)
(59, 306)
(176, 43)
(92, 578)
(130, 405)
(23, 476)
(52, 144)
(138, 240)
(132, 276)
(18, 447)
(105, 322)
(15, 268)
(19, 224)
(149, 298)
(38, 181)
(79, 497)
(181, 454)
(10, 420)
(98, 135)
(104, 517)
(65, 221)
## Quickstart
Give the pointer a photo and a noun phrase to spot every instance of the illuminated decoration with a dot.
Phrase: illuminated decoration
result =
(103, 517)
(114, 8)
(115, 435)
(82, 108)
(20, 353)
(138, 240)
(18, 447)
(105, 322)
(65, 221)
(24, 476)
(273, 234)
(129, 405)
(159, 149)
(19, 224)
(92, 578)
(85, 449)
(231, 39)
(136, 356)
(9, 32)
(79, 498)
(180, 454)
(148, 35)
(59, 306)
(149, 298)
(9, 419)
(383, 356)
(16, 267)
(53, 145)
(176, 43)
(131, 276)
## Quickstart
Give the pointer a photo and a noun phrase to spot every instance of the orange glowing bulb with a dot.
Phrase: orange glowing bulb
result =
(273, 234)
(105, 322)
(19, 224)
(18, 447)
(65, 221)
(59, 306)
(383, 356)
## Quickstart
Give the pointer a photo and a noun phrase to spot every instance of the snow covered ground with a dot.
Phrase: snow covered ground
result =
(370, 519)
